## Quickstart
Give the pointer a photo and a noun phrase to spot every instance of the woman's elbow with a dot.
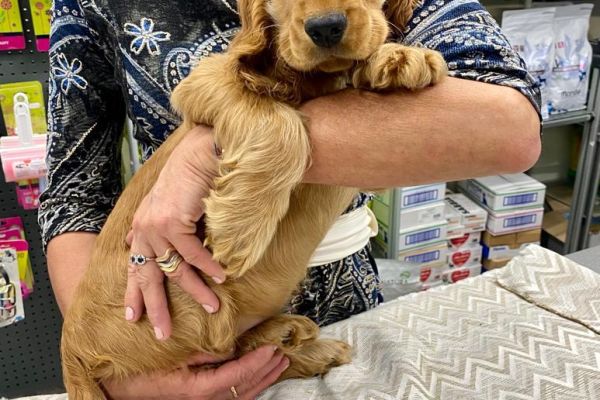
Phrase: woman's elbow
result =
(520, 135)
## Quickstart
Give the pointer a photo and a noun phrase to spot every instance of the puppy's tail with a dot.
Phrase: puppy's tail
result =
(79, 383)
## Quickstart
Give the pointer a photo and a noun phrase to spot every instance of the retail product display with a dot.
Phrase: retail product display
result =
(34, 97)
(499, 250)
(11, 28)
(409, 218)
(467, 220)
(23, 155)
(16, 276)
(531, 34)
(568, 86)
(40, 16)
(12, 238)
(515, 207)
(11, 300)
(412, 230)
(554, 43)
(437, 242)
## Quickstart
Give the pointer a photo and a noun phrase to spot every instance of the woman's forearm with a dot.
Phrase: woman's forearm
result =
(68, 256)
(454, 130)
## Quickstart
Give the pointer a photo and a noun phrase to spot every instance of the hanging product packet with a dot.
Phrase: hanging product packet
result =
(568, 86)
(531, 34)
(11, 300)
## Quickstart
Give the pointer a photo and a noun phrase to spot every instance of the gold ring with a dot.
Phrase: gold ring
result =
(170, 261)
(234, 392)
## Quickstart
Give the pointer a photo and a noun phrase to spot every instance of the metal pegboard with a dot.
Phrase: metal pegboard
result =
(29, 350)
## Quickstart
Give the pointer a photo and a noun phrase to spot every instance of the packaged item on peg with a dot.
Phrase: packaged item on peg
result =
(11, 28)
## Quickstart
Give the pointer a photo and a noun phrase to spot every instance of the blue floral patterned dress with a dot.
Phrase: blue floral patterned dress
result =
(113, 59)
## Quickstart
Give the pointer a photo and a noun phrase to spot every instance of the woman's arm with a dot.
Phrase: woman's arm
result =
(68, 256)
(457, 129)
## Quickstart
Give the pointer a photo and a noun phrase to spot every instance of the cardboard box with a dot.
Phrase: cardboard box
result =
(455, 232)
(452, 216)
(457, 274)
(409, 273)
(512, 239)
(556, 224)
(465, 240)
(466, 256)
(489, 265)
(506, 192)
(433, 273)
(436, 253)
(381, 211)
(503, 252)
(421, 236)
(421, 215)
(414, 196)
(500, 223)
(472, 216)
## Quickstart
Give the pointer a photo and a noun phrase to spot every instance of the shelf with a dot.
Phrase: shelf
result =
(570, 118)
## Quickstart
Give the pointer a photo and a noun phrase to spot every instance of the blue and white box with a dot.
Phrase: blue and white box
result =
(500, 223)
(423, 235)
(506, 192)
(415, 196)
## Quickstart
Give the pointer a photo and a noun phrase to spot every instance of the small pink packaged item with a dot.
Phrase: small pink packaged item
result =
(25, 158)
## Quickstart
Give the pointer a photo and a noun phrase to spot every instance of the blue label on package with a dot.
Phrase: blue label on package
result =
(424, 258)
(421, 197)
(423, 236)
(520, 199)
(520, 221)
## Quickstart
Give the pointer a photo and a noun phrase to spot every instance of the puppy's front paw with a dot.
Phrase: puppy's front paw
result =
(397, 66)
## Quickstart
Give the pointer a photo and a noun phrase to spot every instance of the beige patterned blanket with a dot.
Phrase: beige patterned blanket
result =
(528, 331)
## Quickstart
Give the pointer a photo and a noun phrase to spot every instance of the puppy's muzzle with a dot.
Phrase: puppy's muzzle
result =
(326, 30)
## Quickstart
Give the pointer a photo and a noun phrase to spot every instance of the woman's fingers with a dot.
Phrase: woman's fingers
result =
(188, 279)
(268, 380)
(134, 301)
(194, 253)
(150, 281)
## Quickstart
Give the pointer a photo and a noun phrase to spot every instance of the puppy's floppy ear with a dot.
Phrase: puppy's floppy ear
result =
(253, 50)
(253, 39)
(399, 12)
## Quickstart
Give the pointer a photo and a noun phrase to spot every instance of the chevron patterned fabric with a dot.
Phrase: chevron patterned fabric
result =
(528, 331)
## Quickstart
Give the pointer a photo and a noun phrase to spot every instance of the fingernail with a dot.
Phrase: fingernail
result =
(286, 363)
(274, 349)
(159, 334)
(129, 313)
(218, 281)
(209, 309)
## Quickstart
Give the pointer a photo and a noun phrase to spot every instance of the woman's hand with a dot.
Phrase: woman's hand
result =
(250, 375)
(166, 219)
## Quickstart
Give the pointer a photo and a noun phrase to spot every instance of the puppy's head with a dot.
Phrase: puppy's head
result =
(327, 35)
(318, 35)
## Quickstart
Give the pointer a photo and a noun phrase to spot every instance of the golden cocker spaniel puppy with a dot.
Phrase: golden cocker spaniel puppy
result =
(262, 223)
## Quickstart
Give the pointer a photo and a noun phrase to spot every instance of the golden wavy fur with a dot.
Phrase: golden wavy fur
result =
(261, 222)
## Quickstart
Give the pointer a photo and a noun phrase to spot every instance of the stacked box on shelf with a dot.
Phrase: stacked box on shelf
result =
(515, 204)
(412, 229)
(466, 222)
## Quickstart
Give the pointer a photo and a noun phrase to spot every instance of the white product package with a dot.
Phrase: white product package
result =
(531, 34)
(568, 84)
(11, 299)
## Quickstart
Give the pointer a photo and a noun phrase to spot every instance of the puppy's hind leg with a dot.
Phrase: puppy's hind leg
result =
(297, 337)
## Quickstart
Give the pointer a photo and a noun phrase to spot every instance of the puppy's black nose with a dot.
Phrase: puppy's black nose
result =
(326, 30)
